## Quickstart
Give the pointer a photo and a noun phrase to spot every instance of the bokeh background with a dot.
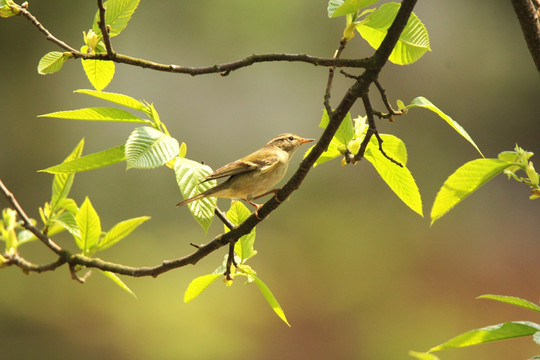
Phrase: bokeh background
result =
(359, 275)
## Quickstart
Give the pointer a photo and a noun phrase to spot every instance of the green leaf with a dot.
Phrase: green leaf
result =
(52, 62)
(99, 72)
(399, 179)
(89, 227)
(62, 183)
(148, 148)
(118, 282)
(117, 15)
(237, 214)
(119, 99)
(96, 114)
(189, 175)
(463, 182)
(507, 330)
(512, 300)
(413, 41)
(270, 299)
(120, 231)
(423, 356)
(67, 220)
(197, 286)
(426, 104)
(343, 7)
(89, 162)
(6, 10)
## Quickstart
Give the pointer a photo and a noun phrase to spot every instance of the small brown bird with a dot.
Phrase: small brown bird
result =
(252, 176)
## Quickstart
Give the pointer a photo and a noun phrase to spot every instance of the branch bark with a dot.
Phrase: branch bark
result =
(528, 18)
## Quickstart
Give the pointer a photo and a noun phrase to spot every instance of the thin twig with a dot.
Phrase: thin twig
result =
(328, 89)
(529, 20)
(391, 111)
(104, 29)
(27, 267)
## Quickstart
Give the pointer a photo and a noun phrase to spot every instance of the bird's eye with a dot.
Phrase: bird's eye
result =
(291, 138)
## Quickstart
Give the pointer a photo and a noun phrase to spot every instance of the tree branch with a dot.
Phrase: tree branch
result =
(223, 69)
(530, 26)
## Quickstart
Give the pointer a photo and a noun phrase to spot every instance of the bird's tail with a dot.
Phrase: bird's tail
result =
(187, 201)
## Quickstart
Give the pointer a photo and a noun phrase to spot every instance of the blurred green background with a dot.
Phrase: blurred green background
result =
(359, 275)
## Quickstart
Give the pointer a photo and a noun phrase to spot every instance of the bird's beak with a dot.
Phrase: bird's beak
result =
(303, 141)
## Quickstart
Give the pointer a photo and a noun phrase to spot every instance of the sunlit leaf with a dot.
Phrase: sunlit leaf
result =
(426, 104)
(270, 299)
(197, 286)
(89, 162)
(120, 231)
(52, 62)
(117, 15)
(119, 99)
(512, 300)
(413, 41)
(343, 7)
(237, 214)
(423, 356)
(89, 227)
(398, 178)
(62, 182)
(99, 72)
(148, 148)
(96, 114)
(507, 330)
(463, 182)
(118, 282)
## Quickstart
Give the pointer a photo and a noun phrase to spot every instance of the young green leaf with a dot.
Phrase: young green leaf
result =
(343, 7)
(96, 114)
(99, 72)
(197, 286)
(68, 222)
(423, 356)
(398, 178)
(52, 62)
(426, 104)
(148, 148)
(463, 182)
(118, 282)
(62, 182)
(413, 41)
(8, 9)
(512, 300)
(117, 15)
(120, 231)
(501, 331)
(119, 99)
(89, 162)
(189, 175)
(237, 213)
(270, 299)
(89, 227)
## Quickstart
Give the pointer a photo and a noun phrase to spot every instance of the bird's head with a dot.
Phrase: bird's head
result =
(288, 142)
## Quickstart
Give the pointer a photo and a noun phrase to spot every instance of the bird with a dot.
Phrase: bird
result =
(253, 176)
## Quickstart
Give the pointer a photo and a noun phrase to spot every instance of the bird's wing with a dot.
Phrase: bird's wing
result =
(241, 167)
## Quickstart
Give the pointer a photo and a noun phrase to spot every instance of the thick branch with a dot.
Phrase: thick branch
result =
(530, 25)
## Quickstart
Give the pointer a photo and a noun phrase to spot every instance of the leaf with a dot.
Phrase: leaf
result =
(463, 182)
(68, 221)
(117, 15)
(89, 162)
(501, 331)
(270, 299)
(6, 10)
(237, 214)
(62, 183)
(188, 177)
(99, 72)
(96, 114)
(399, 179)
(119, 99)
(148, 148)
(413, 41)
(197, 286)
(343, 7)
(118, 282)
(120, 231)
(423, 356)
(512, 300)
(52, 62)
(89, 227)
(426, 104)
